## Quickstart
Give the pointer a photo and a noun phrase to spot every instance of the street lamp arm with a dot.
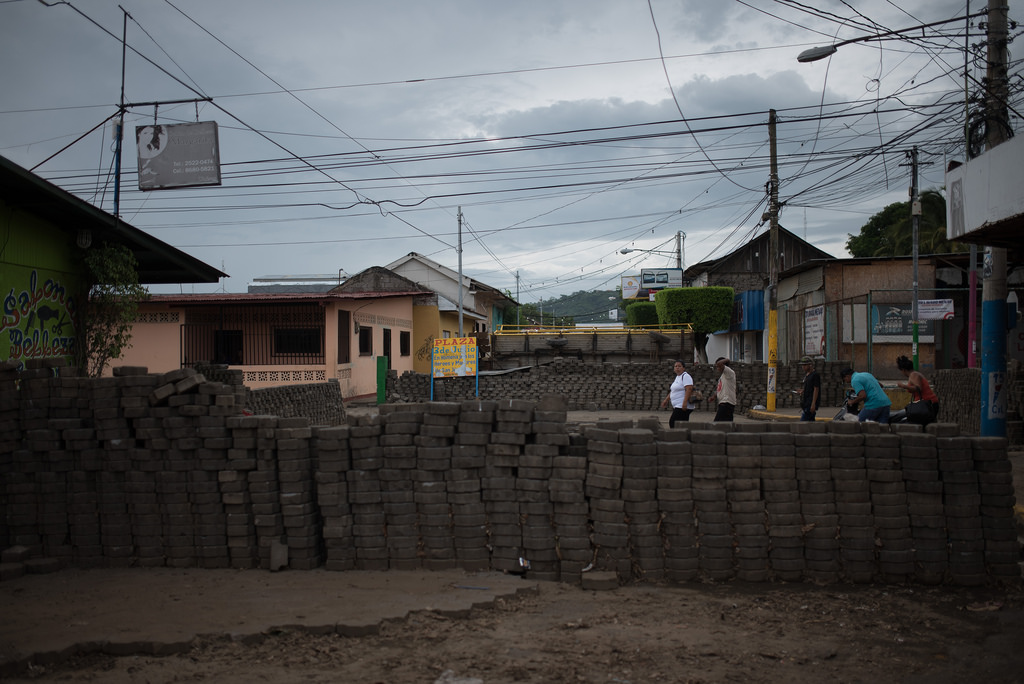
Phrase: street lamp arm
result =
(823, 51)
(629, 250)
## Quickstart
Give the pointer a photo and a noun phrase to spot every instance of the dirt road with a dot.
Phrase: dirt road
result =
(519, 631)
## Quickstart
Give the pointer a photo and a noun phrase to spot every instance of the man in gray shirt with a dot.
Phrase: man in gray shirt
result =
(725, 391)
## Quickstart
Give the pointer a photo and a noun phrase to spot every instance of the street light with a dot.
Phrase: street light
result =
(821, 52)
(678, 254)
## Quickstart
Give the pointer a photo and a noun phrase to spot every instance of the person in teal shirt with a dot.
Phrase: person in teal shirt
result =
(876, 404)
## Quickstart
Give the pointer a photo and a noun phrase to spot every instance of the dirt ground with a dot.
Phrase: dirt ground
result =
(640, 633)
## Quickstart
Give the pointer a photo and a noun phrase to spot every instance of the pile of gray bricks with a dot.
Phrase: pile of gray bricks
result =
(165, 470)
(615, 386)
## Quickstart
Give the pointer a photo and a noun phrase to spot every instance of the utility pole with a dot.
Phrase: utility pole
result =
(773, 265)
(915, 218)
(679, 249)
(119, 121)
(993, 294)
(972, 307)
(519, 307)
(461, 334)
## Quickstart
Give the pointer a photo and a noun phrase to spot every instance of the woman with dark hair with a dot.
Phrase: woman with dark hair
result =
(919, 389)
(680, 395)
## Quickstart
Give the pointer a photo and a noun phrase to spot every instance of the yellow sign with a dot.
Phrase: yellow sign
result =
(454, 357)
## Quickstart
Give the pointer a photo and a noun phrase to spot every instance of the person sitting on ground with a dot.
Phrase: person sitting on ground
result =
(918, 387)
(875, 402)
(725, 391)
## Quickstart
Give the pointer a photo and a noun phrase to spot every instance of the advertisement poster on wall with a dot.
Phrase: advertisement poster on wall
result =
(814, 331)
(895, 321)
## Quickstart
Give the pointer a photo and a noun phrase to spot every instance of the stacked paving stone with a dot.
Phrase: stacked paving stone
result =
(430, 494)
(399, 466)
(995, 486)
(604, 491)
(817, 503)
(182, 479)
(640, 503)
(675, 500)
(613, 386)
(298, 506)
(967, 534)
(465, 486)
(320, 403)
(547, 437)
(333, 463)
(747, 506)
(919, 464)
(264, 485)
(782, 506)
(848, 464)
(235, 483)
(365, 494)
(889, 503)
(570, 510)
(711, 504)
(498, 483)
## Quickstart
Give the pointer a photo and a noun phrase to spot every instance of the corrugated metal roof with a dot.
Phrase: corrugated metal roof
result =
(158, 262)
(242, 297)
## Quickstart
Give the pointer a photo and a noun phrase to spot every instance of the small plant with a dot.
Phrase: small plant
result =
(114, 293)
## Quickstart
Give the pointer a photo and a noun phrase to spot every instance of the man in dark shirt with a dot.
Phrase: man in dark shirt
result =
(811, 393)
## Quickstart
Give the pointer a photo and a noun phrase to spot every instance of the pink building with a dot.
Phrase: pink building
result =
(352, 334)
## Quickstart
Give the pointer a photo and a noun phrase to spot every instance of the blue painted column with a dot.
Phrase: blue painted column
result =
(993, 346)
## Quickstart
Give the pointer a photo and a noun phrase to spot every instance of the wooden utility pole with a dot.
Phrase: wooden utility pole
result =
(773, 265)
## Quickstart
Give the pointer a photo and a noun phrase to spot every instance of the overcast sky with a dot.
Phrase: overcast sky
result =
(351, 131)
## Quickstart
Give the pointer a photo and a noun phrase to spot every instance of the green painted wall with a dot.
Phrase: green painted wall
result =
(40, 286)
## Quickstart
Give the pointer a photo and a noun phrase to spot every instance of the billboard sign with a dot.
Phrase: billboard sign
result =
(661, 278)
(178, 155)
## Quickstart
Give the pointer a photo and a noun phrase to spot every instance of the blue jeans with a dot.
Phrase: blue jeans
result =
(806, 415)
(879, 415)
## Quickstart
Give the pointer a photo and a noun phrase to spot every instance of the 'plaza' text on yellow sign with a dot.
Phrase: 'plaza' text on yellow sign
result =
(454, 357)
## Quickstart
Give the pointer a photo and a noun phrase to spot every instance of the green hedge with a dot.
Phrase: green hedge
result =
(642, 313)
(707, 308)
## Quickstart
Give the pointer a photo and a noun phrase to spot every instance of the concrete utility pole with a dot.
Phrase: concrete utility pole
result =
(773, 265)
(915, 218)
(679, 249)
(461, 334)
(993, 293)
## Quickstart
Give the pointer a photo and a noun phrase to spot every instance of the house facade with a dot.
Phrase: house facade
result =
(747, 271)
(483, 307)
(43, 279)
(860, 310)
(352, 334)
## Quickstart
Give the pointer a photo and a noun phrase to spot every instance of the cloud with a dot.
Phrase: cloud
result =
(537, 118)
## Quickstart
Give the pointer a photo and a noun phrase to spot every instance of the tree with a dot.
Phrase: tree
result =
(707, 309)
(112, 304)
(890, 232)
(642, 313)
